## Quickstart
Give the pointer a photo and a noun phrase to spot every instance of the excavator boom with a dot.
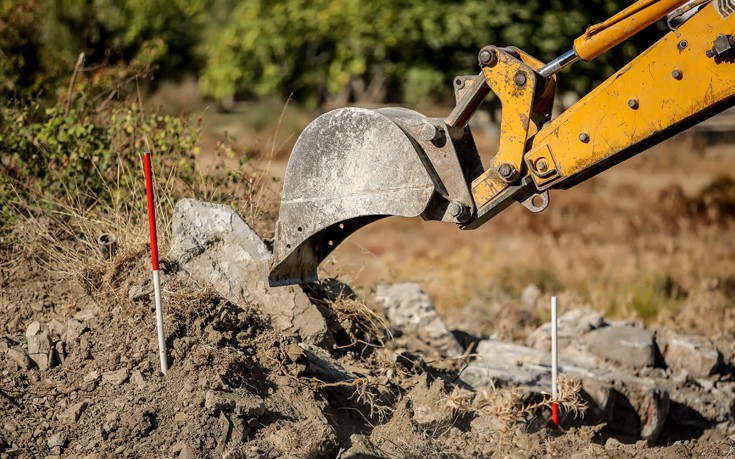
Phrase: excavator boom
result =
(353, 166)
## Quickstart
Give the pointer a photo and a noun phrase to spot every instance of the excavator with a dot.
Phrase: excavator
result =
(353, 166)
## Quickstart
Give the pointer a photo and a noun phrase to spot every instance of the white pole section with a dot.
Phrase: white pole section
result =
(554, 364)
(154, 258)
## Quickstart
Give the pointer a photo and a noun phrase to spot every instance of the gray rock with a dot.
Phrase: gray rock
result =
(570, 327)
(71, 415)
(139, 293)
(85, 315)
(630, 346)
(137, 378)
(90, 380)
(41, 350)
(323, 366)
(55, 327)
(409, 309)
(502, 364)
(57, 439)
(33, 329)
(39, 343)
(695, 354)
(74, 329)
(20, 358)
(214, 245)
(225, 426)
(244, 405)
(116, 378)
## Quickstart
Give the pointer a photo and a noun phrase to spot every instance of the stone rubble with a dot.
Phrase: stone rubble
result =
(215, 246)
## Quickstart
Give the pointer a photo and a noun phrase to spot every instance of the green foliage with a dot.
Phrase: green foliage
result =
(319, 50)
(327, 48)
(80, 152)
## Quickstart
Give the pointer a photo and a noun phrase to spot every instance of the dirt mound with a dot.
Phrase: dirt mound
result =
(336, 378)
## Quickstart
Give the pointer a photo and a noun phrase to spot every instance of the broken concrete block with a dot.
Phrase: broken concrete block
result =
(570, 327)
(630, 346)
(695, 354)
(213, 244)
(409, 309)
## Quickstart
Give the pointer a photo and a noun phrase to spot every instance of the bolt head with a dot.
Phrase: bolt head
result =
(676, 74)
(487, 57)
(429, 132)
(541, 165)
(520, 78)
(633, 103)
(459, 82)
(584, 137)
(455, 209)
(682, 44)
(506, 170)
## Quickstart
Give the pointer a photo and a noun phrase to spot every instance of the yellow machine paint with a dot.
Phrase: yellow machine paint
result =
(353, 166)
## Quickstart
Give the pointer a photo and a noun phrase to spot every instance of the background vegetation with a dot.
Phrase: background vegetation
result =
(317, 50)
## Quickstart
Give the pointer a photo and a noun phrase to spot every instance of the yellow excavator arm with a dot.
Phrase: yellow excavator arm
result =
(353, 166)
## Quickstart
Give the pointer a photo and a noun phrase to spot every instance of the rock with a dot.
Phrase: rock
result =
(14, 451)
(90, 380)
(71, 414)
(633, 405)
(85, 315)
(187, 453)
(429, 405)
(20, 358)
(33, 329)
(74, 329)
(408, 308)
(55, 327)
(570, 327)
(181, 417)
(58, 439)
(323, 366)
(530, 295)
(139, 293)
(225, 426)
(214, 245)
(41, 351)
(244, 405)
(137, 378)
(695, 354)
(117, 377)
(39, 343)
(629, 346)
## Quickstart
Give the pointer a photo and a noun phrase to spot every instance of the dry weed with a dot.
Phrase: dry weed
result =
(508, 406)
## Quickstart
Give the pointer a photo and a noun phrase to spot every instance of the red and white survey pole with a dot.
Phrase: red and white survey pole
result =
(154, 258)
(554, 366)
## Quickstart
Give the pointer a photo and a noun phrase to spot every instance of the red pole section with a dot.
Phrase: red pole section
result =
(151, 208)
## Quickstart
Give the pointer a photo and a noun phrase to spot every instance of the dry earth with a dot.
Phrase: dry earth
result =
(651, 241)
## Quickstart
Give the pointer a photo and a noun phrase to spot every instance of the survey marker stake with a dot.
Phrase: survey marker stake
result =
(554, 366)
(154, 258)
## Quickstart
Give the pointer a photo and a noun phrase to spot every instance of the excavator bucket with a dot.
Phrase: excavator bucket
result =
(349, 167)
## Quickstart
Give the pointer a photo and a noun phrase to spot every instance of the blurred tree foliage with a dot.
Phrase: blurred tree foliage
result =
(317, 50)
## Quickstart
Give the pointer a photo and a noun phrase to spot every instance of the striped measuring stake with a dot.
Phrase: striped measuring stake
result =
(554, 366)
(154, 257)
